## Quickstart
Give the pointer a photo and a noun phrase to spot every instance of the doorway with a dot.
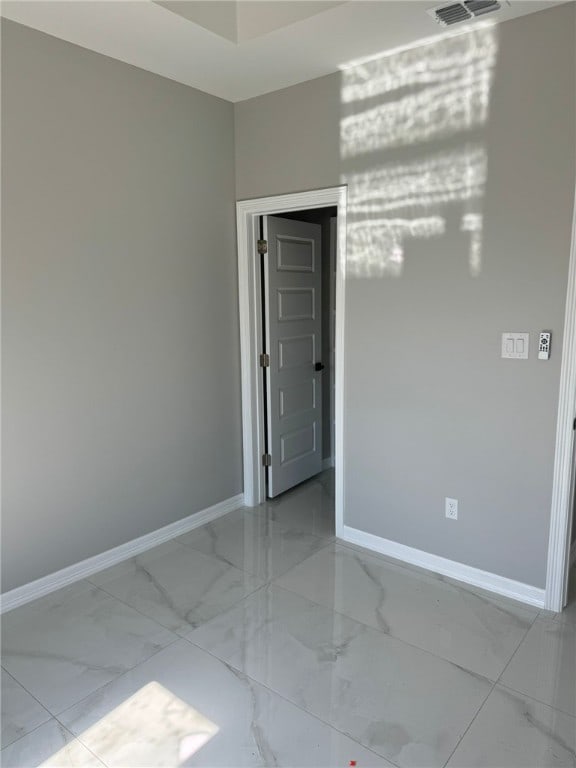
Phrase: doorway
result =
(253, 332)
(298, 288)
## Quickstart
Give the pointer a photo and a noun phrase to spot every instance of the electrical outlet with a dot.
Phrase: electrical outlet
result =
(452, 509)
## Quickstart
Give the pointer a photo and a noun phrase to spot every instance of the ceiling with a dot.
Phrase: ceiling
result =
(236, 50)
(243, 20)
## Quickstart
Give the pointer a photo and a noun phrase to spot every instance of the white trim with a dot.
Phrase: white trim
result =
(332, 326)
(561, 512)
(515, 590)
(248, 212)
(92, 565)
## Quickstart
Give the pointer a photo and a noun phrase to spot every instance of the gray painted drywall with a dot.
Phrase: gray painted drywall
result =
(430, 408)
(322, 216)
(121, 388)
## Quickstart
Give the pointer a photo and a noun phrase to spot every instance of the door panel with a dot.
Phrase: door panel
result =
(293, 304)
(296, 352)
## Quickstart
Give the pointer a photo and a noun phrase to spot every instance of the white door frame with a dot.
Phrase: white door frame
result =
(561, 513)
(249, 294)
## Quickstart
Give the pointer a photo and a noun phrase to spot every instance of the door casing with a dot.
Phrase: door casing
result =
(249, 295)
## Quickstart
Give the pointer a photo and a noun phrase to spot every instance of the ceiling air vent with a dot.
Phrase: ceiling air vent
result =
(479, 7)
(446, 15)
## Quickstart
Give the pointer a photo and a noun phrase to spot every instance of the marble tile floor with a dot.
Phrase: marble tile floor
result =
(259, 640)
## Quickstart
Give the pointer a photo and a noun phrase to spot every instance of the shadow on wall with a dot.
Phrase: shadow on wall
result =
(411, 149)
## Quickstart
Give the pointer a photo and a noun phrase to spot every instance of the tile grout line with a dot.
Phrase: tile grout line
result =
(470, 724)
(520, 693)
(26, 689)
(191, 629)
(25, 735)
(388, 634)
(491, 690)
(372, 629)
(90, 585)
(102, 588)
(420, 571)
(234, 670)
(55, 714)
(272, 582)
(50, 715)
(105, 685)
(226, 664)
(187, 639)
(327, 540)
(493, 683)
(61, 725)
(537, 701)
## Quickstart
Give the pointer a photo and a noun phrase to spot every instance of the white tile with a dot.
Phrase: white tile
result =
(544, 666)
(49, 745)
(127, 567)
(451, 621)
(513, 731)
(185, 707)
(21, 712)
(568, 615)
(254, 542)
(66, 645)
(308, 508)
(405, 704)
(176, 586)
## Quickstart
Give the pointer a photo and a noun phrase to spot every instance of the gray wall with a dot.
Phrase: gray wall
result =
(430, 408)
(121, 390)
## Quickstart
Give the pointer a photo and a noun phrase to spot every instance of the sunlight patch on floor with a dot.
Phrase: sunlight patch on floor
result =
(152, 728)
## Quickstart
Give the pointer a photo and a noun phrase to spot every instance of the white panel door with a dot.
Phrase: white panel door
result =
(293, 326)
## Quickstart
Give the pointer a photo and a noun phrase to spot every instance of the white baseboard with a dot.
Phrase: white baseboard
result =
(328, 463)
(92, 565)
(515, 590)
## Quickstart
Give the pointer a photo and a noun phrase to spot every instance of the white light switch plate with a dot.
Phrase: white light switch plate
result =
(515, 345)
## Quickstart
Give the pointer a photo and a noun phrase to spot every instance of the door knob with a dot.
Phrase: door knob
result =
(318, 366)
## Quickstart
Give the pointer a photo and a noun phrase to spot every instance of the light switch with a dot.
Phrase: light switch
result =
(515, 345)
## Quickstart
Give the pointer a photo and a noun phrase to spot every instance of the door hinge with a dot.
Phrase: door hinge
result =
(264, 360)
(262, 246)
(266, 460)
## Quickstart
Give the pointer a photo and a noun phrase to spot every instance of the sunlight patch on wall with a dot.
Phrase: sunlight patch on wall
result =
(376, 234)
(418, 98)
(472, 222)
(448, 90)
(376, 245)
(444, 178)
(153, 728)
